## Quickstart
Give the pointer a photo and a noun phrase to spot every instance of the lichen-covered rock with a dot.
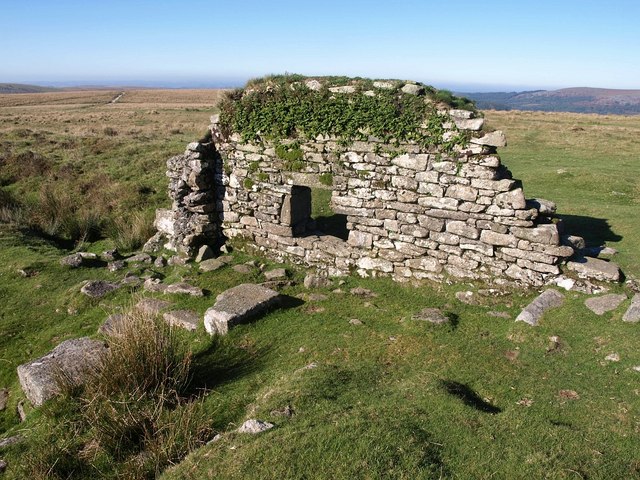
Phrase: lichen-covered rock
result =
(633, 312)
(71, 361)
(532, 313)
(98, 288)
(587, 267)
(605, 303)
(186, 319)
(238, 305)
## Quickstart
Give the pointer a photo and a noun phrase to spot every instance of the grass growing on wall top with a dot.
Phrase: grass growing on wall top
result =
(281, 107)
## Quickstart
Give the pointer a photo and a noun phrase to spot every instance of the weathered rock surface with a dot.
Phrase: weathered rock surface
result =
(6, 442)
(184, 288)
(312, 280)
(72, 360)
(186, 319)
(431, 315)
(211, 265)
(633, 312)
(98, 288)
(4, 397)
(74, 260)
(152, 306)
(238, 305)
(587, 267)
(276, 274)
(204, 253)
(254, 426)
(532, 313)
(605, 303)
(139, 258)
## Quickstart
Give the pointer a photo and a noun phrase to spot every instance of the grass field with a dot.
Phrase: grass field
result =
(390, 398)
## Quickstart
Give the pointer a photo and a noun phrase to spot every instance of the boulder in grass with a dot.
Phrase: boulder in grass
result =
(152, 306)
(532, 313)
(98, 288)
(633, 312)
(238, 305)
(605, 303)
(184, 288)
(204, 253)
(431, 315)
(186, 319)
(254, 426)
(71, 361)
(75, 260)
(594, 268)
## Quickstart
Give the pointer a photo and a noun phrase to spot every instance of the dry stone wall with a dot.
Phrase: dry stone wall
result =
(411, 211)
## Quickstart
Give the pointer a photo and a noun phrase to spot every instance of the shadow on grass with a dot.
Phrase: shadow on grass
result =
(468, 396)
(595, 231)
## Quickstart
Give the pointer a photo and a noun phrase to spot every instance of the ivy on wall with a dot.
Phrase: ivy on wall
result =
(284, 107)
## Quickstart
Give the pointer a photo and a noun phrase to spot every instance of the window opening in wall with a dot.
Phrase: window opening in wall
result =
(326, 220)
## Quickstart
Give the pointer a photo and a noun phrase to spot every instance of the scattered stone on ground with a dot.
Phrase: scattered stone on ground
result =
(362, 292)
(594, 268)
(152, 306)
(116, 265)
(237, 305)
(75, 260)
(110, 255)
(633, 312)
(211, 265)
(27, 272)
(467, 297)
(311, 309)
(88, 255)
(154, 285)
(564, 282)
(276, 274)
(337, 291)
(131, 280)
(355, 321)
(3, 466)
(431, 315)
(20, 411)
(493, 292)
(612, 357)
(555, 345)
(4, 397)
(310, 366)
(226, 248)
(139, 258)
(204, 253)
(636, 368)
(98, 288)
(160, 262)
(73, 359)
(286, 411)
(184, 288)
(112, 324)
(605, 303)
(6, 442)
(254, 426)
(534, 311)
(177, 260)
(497, 314)
(312, 280)
(569, 394)
(243, 269)
(187, 319)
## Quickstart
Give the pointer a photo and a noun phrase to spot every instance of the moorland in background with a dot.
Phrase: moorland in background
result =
(384, 397)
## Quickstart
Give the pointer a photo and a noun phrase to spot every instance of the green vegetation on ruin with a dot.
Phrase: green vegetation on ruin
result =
(284, 107)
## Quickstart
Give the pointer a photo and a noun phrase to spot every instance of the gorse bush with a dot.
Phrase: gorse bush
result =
(134, 416)
(281, 107)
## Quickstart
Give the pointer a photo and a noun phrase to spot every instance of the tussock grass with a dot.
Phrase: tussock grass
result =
(133, 418)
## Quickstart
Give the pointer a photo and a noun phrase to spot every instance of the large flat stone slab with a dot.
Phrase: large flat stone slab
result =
(587, 267)
(238, 305)
(187, 319)
(532, 313)
(605, 303)
(633, 312)
(72, 359)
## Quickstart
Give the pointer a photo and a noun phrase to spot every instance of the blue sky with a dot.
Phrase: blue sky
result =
(462, 45)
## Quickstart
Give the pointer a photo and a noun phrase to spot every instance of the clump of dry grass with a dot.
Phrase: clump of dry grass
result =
(134, 417)
(132, 231)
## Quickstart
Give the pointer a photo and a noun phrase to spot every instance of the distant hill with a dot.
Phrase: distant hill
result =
(578, 100)
(22, 88)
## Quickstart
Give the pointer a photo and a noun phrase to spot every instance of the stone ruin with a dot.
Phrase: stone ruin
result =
(408, 211)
